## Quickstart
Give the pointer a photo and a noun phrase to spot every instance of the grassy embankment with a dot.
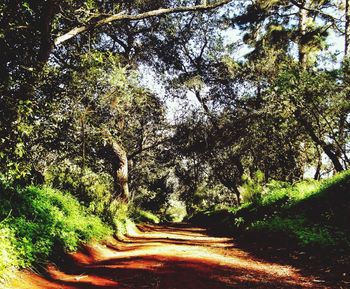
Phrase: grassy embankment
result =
(37, 223)
(309, 214)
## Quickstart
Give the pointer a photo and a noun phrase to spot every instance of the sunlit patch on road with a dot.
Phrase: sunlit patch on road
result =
(166, 257)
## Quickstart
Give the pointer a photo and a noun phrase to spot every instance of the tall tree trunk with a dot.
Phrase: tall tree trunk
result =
(45, 26)
(24, 94)
(317, 175)
(303, 16)
(230, 184)
(303, 58)
(238, 195)
(346, 75)
(347, 29)
(119, 161)
(231, 181)
(83, 154)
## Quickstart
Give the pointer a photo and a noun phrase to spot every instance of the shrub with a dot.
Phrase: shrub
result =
(8, 253)
(252, 188)
(140, 215)
(311, 213)
(276, 191)
(301, 231)
(44, 219)
(94, 190)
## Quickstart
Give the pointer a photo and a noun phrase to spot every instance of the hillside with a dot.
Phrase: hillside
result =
(309, 213)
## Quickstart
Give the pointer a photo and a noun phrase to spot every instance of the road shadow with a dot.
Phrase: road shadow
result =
(168, 257)
(326, 266)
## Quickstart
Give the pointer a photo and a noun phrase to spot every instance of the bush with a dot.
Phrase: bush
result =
(41, 220)
(252, 188)
(302, 232)
(118, 216)
(139, 215)
(94, 190)
(311, 213)
(8, 253)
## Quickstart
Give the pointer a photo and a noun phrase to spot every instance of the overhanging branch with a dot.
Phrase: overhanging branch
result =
(122, 16)
(301, 5)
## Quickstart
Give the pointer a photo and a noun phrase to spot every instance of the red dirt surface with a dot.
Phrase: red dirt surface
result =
(167, 257)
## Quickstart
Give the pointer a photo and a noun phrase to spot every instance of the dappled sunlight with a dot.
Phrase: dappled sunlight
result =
(166, 257)
(181, 235)
(56, 274)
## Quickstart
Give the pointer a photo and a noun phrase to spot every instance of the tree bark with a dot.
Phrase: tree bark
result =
(229, 182)
(327, 148)
(122, 16)
(238, 195)
(303, 15)
(317, 175)
(117, 155)
(346, 76)
(45, 25)
(347, 29)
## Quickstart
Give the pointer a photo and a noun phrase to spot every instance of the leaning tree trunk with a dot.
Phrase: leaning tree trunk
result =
(327, 148)
(303, 57)
(119, 162)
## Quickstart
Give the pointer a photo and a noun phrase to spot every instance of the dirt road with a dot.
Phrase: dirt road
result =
(166, 257)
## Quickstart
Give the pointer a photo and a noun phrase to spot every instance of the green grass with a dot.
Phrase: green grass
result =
(37, 222)
(309, 213)
(301, 231)
(139, 215)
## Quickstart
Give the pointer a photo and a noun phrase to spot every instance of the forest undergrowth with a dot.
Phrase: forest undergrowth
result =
(40, 224)
(309, 214)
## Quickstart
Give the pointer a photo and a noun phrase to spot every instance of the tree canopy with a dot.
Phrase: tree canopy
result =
(87, 87)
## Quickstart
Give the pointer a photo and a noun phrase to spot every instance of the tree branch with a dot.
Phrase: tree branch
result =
(149, 147)
(313, 10)
(122, 16)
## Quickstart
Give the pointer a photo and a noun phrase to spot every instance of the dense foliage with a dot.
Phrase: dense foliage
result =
(37, 222)
(309, 213)
(168, 107)
(89, 83)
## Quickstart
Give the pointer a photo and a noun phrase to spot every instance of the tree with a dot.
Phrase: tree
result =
(273, 26)
(71, 93)
(31, 27)
(279, 24)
